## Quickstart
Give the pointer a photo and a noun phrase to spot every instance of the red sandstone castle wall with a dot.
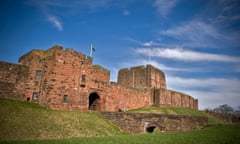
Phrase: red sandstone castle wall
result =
(177, 99)
(142, 77)
(13, 80)
(65, 79)
(156, 78)
(126, 98)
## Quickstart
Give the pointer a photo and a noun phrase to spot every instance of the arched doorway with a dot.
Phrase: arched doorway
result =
(94, 101)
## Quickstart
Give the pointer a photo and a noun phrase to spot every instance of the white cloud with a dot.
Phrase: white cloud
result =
(193, 30)
(211, 92)
(226, 12)
(156, 64)
(55, 21)
(150, 43)
(196, 33)
(223, 83)
(185, 55)
(214, 99)
(164, 6)
(162, 66)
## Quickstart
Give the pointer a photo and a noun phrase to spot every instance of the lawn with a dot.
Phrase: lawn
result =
(217, 134)
(177, 111)
(25, 121)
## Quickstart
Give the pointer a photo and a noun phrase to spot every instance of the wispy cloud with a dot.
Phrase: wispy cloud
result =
(195, 33)
(226, 12)
(185, 55)
(214, 83)
(143, 61)
(217, 90)
(56, 22)
(164, 6)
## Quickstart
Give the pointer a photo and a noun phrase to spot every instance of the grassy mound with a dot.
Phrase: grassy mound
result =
(22, 120)
(177, 111)
(218, 134)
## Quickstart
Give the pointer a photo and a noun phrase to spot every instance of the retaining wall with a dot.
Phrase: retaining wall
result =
(143, 122)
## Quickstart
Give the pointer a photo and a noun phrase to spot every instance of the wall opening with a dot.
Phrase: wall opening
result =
(94, 101)
(35, 96)
(38, 73)
(152, 127)
(65, 98)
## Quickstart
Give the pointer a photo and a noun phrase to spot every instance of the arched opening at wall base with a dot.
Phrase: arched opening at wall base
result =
(152, 127)
(94, 101)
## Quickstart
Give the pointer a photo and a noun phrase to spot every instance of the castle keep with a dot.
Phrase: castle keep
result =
(67, 80)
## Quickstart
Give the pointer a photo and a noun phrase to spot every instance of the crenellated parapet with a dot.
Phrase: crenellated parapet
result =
(67, 79)
(142, 77)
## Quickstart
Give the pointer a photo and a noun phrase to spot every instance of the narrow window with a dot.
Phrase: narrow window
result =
(35, 96)
(83, 78)
(65, 98)
(38, 73)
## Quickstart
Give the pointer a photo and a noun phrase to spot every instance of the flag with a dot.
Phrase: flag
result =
(93, 49)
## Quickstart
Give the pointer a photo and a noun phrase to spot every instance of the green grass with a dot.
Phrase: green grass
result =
(177, 111)
(24, 121)
(217, 134)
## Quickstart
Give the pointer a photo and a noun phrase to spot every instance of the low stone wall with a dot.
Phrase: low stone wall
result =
(226, 118)
(142, 122)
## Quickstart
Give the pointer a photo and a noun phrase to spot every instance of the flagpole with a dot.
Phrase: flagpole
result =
(150, 55)
(91, 48)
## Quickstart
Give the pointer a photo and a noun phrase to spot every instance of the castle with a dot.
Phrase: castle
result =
(64, 79)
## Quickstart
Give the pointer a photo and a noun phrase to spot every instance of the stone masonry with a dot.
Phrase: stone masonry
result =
(145, 122)
(67, 80)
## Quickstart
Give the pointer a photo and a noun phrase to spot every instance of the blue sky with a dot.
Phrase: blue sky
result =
(195, 42)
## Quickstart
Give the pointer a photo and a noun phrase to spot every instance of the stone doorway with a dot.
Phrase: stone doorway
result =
(94, 101)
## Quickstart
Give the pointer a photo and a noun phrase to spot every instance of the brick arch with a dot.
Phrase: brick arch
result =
(94, 101)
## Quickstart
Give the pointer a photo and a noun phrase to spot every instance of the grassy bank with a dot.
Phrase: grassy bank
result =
(177, 111)
(30, 121)
(218, 134)
(22, 120)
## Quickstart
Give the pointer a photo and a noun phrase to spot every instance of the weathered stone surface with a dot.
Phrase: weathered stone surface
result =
(65, 79)
(140, 122)
(142, 77)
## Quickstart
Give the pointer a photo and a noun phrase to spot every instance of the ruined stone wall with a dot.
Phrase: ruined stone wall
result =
(140, 122)
(175, 99)
(142, 77)
(13, 80)
(122, 98)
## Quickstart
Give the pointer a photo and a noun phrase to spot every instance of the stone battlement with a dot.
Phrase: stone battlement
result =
(142, 77)
(67, 80)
